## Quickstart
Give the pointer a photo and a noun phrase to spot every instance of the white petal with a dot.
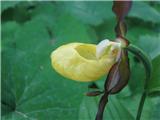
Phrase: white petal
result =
(100, 48)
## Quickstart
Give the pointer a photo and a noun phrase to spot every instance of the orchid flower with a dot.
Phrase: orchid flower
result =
(85, 62)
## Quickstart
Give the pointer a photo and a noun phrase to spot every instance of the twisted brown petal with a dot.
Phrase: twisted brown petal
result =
(121, 9)
(119, 73)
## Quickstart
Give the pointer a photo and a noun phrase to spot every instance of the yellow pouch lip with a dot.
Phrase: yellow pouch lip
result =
(88, 45)
(87, 74)
(81, 56)
(73, 49)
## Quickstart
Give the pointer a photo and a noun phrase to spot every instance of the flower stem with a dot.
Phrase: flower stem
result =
(141, 104)
(148, 69)
(101, 107)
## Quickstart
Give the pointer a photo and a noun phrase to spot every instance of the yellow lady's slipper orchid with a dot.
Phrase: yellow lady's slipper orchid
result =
(85, 62)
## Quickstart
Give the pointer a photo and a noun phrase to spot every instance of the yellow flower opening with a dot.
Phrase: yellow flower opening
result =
(85, 62)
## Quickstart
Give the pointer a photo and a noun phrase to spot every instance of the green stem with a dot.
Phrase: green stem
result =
(144, 58)
(148, 69)
(141, 104)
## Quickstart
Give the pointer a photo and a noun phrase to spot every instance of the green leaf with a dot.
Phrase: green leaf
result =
(131, 104)
(39, 91)
(145, 12)
(114, 109)
(135, 32)
(106, 30)
(19, 11)
(156, 109)
(146, 61)
(156, 5)
(154, 83)
(44, 11)
(93, 13)
(137, 76)
(8, 102)
(69, 29)
(150, 44)
(8, 4)
(8, 33)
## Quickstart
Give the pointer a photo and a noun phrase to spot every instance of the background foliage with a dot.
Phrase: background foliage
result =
(32, 90)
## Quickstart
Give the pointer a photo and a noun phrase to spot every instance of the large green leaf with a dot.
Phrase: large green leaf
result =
(114, 109)
(106, 30)
(154, 83)
(69, 29)
(93, 13)
(145, 12)
(135, 32)
(8, 4)
(156, 109)
(119, 107)
(137, 76)
(150, 44)
(131, 103)
(39, 91)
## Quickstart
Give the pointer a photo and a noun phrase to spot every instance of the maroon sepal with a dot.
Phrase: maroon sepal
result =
(121, 8)
(94, 93)
(119, 74)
